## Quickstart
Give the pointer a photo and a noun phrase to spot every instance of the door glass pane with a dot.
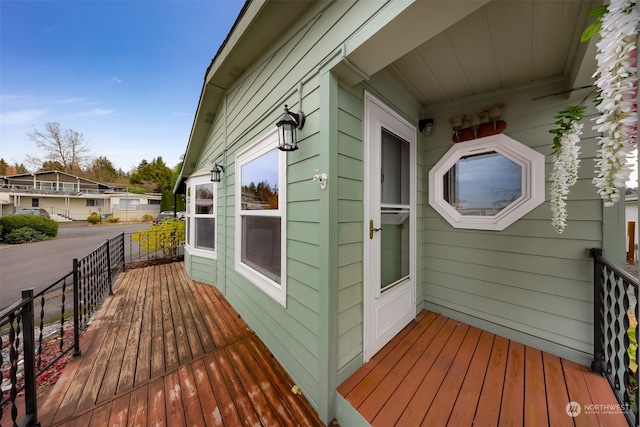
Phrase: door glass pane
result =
(395, 187)
(394, 250)
(395, 170)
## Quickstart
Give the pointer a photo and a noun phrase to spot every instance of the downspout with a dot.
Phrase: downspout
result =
(224, 194)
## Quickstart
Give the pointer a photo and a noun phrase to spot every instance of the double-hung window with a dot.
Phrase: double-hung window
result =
(201, 217)
(260, 220)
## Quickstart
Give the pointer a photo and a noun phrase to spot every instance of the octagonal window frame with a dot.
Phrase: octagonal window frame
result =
(531, 162)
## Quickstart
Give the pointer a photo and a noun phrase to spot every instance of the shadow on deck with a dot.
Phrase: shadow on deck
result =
(165, 350)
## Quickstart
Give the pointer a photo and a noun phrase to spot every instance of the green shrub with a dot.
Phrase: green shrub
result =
(167, 236)
(113, 220)
(93, 218)
(39, 223)
(25, 235)
(147, 218)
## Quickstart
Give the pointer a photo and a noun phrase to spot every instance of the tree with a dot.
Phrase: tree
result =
(6, 169)
(59, 145)
(102, 170)
(154, 176)
(51, 166)
(20, 168)
(180, 199)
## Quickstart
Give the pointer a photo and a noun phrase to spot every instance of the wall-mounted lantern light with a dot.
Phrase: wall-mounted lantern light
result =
(216, 172)
(287, 126)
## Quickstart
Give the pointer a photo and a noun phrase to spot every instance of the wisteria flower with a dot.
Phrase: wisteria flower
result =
(566, 161)
(616, 79)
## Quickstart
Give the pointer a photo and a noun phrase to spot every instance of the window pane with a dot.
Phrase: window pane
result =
(188, 200)
(205, 233)
(261, 245)
(483, 184)
(204, 199)
(260, 182)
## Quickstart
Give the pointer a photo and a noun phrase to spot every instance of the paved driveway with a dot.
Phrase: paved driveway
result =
(40, 264)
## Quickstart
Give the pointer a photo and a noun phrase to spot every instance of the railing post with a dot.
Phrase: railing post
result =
(76, 309)
(30, 397)
(124, 258)
(597, 365)
(109, 267)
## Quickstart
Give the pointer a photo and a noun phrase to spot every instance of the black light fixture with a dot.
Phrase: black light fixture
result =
(426, 125)
(216, 172)
(287, 126)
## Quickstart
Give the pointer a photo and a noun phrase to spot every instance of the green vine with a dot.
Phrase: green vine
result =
(564, 120)
(595, 26)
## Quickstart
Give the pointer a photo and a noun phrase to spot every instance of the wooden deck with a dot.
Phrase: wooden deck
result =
(167, 351)
(440, 372)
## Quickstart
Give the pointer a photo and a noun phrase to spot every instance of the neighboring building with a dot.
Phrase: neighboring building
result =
(326, 271)
(67, 197)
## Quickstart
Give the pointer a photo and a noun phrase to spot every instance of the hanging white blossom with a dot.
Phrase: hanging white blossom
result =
(565, 169)
(616, 79)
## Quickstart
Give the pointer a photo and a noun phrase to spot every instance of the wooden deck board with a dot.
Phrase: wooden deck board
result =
(155, 360)
(469, 377)
(512, 408)
(119, 411)
(448, 393)
(413, 370)
(464, 408)
(209, 405)
(156, 403)
(557, 397)
(420, 403)
(389, 361)
(157, 329)
(535, 399)
(142, 370)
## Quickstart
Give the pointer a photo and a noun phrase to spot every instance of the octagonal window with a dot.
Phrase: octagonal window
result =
(488, 183)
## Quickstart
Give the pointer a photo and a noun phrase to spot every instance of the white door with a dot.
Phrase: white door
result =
(390, 224)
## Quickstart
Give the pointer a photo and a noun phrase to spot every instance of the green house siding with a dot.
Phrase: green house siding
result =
(350, 225)
(320, 330)
(200, 269)
(527, 281)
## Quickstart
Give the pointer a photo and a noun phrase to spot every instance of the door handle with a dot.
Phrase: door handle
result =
(372, 229)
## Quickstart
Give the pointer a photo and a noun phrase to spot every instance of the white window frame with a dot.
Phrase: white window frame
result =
(277, 291)
(533, 178)
(190, 217)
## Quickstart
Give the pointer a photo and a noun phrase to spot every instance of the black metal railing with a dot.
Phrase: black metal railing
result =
(16, 321)
(615, 341)
(25, 357)
(88, 283)
(154, 244)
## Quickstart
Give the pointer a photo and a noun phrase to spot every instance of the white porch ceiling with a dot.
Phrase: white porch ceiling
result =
(502, 44)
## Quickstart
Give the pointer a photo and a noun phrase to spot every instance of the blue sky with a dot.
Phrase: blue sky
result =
(126, 74)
